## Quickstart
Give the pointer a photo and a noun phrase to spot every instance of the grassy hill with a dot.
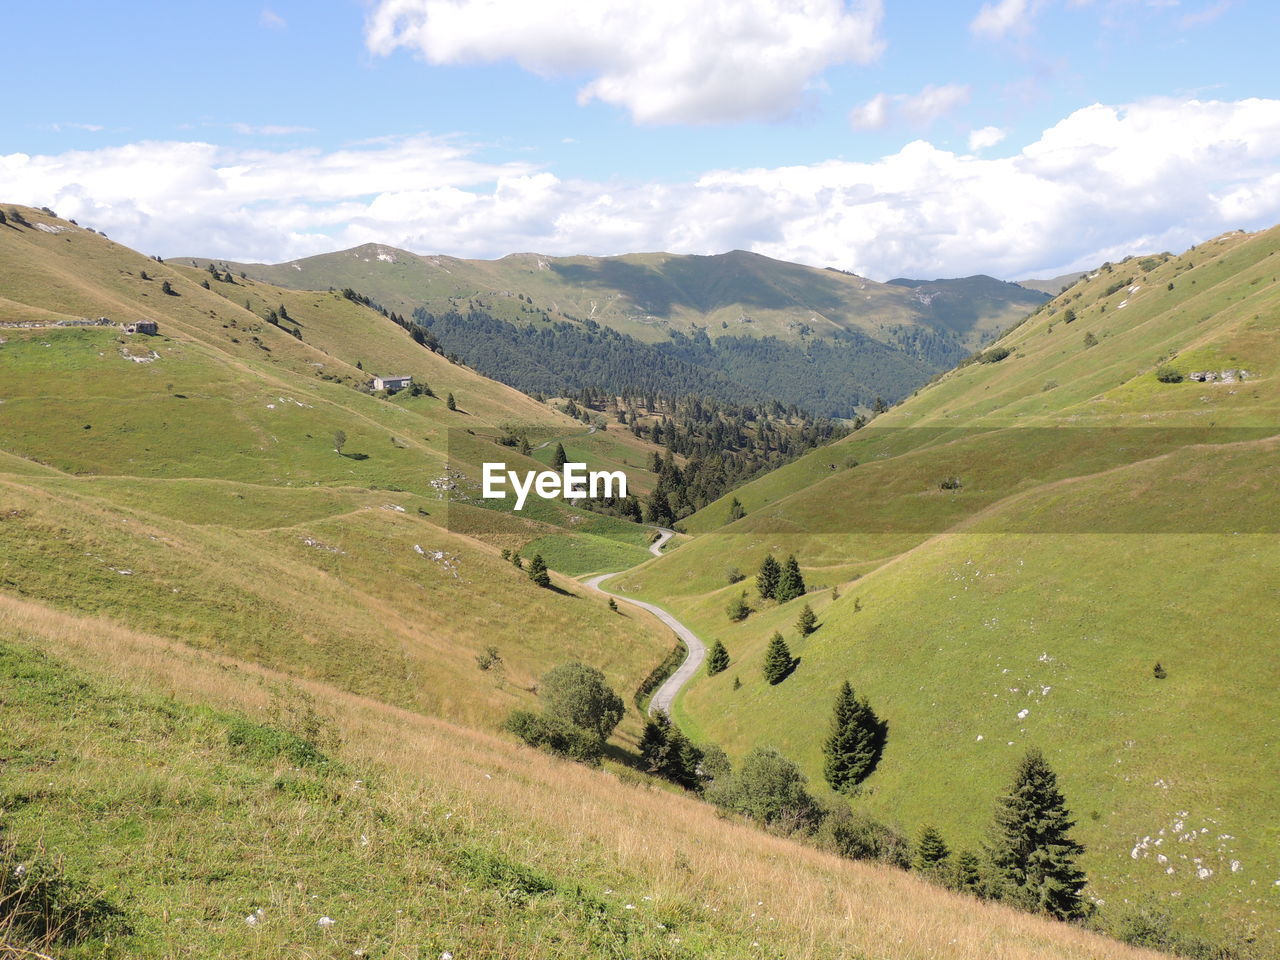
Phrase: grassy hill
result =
(1102, 511)
(242, 708)
(188, 484)
(742, 318)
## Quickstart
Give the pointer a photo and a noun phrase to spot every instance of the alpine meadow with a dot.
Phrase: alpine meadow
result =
(786, 480)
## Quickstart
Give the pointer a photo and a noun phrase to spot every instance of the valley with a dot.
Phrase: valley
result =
(250, 603)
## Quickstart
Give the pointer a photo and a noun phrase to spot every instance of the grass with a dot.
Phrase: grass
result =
(184, 789)
(1103, 524)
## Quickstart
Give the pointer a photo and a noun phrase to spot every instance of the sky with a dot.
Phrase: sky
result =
(917, 138)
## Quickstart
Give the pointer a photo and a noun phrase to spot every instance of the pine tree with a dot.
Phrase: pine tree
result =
(777, 660)
(717, 659)
(932, 852)
(735, 510)
(790, 582)
(966, 872)
(451, 403)
(853, 747)
(1031, 851)
(560, 458)
(538, 571)
(767, 578)
(808, 621)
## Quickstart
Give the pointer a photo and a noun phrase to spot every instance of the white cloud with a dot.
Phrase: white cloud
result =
(1103, 182)
(668, 61)
(872, 115)
(272, 20)
(985, 137)
(87, 127)
(919, 108)
(1004, 17)
(269, 130)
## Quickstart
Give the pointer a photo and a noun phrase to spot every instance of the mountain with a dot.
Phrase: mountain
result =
(1054, 285)
(741, 324)
(257, 637)
(1002, 560)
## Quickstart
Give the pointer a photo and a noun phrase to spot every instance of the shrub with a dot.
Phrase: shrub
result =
(857, 836)
(554, 735)
(994, 355)
(769, 789)
(1167, 374)
(1090, 340)
(1159, 672)
(738, 609)
(950, 483)
(734, 575)
(578, 694)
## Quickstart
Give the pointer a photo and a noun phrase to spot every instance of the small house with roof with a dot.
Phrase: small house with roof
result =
(392, 384)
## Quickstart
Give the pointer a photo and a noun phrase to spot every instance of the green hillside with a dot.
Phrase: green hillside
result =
(256, 634)
(752, 325)
(1001, 561)
(188, 484)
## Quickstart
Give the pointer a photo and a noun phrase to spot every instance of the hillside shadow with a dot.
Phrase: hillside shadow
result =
(355, 456)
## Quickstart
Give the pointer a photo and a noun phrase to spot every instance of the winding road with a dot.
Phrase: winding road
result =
(665, 695)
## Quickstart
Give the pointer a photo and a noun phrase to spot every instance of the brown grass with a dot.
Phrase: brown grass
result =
(559, 816)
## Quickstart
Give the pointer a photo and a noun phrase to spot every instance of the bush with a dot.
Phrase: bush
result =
(1167, 374)
(577, 694)
(769, 789)
(555, 736)
(660, 673)
(994, 355)
(950, 483)
(738, 609)
(857, 836)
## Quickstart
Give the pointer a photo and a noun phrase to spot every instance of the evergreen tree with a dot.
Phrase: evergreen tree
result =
(717, 659)
(735, 510)
(3, 218)
(1031, 851)
(790, 582)
(777, 660)
(966, 872)
(538, 571)
(668, 753)
(932, 852)
(808, 621)
(613, 605)
(767, 578)
(853, 747)
(451, 403)
(560, 458)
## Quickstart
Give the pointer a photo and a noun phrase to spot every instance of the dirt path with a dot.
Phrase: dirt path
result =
(665, 695)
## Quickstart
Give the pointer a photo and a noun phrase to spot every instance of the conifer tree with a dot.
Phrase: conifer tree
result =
(808, 621)
(790, 582)
(451, 403)
(1031, 851)
(717, 659)
(853, 747)
(560, 458)
(538, 571)
(735, 510)
(767, 578)
(777, 660)
(966, 872)
(932, 852)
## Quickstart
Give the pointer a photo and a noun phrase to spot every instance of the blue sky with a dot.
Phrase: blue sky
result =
(921, 138)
